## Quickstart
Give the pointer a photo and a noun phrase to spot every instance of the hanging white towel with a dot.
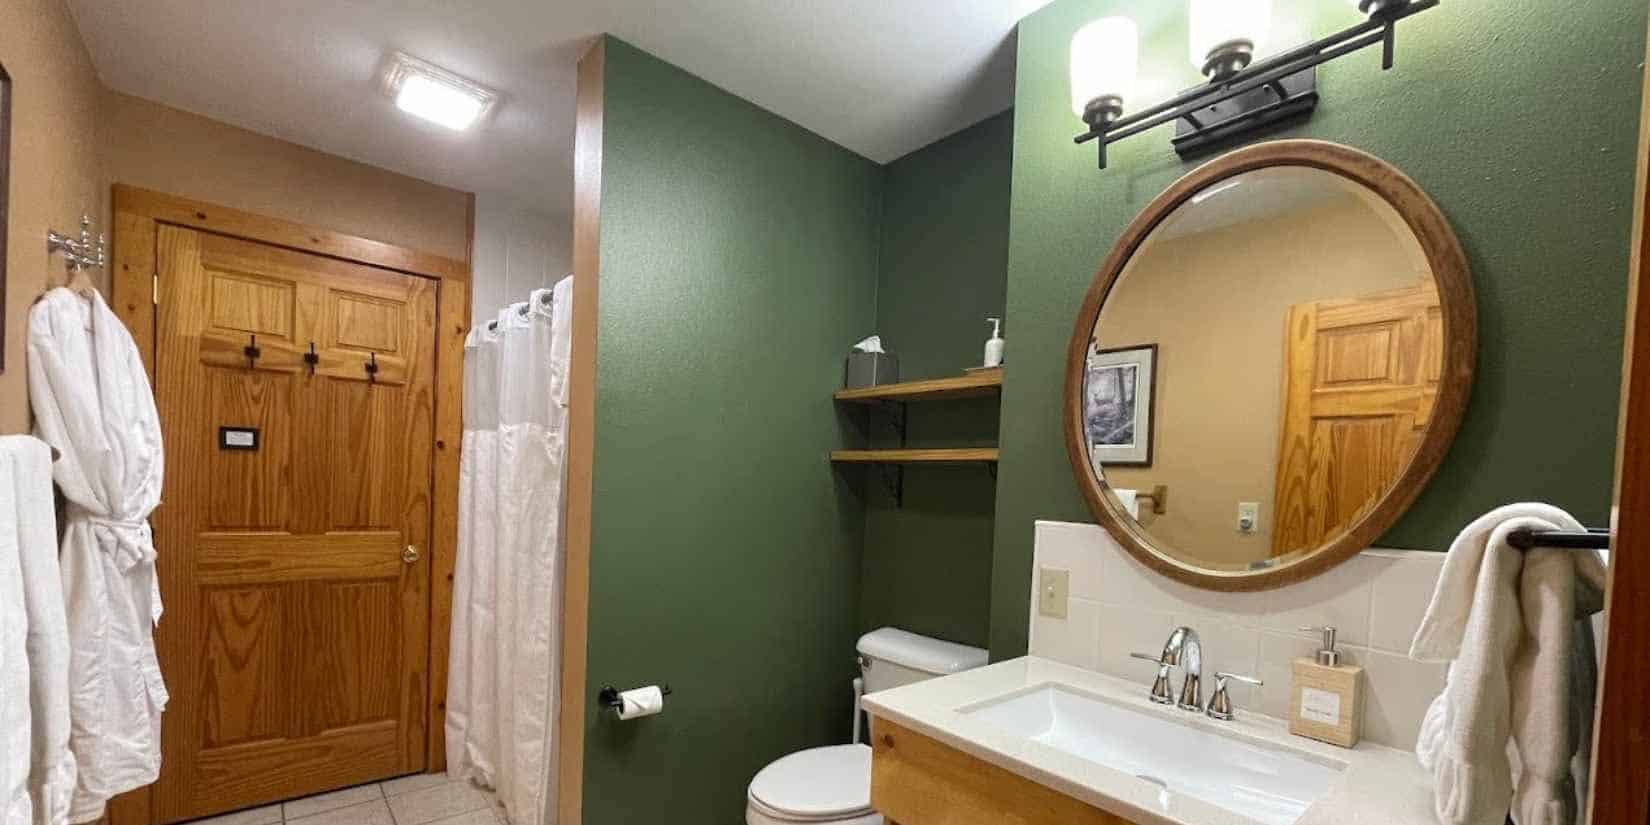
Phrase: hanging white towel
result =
(92, 401)
(51, 766)
(15, 745)
(1512, 624)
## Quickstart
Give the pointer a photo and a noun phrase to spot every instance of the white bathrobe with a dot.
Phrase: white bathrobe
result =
(51, 766)
(92, 402)
(1512, 729)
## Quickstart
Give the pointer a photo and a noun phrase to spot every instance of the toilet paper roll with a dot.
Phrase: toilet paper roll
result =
(645, 701)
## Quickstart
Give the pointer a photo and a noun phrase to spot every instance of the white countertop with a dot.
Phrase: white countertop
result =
(1379, 786)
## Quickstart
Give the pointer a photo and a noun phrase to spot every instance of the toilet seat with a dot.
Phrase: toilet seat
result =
(830, 784)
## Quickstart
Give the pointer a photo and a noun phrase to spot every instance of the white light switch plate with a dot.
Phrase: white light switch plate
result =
(1053, 590)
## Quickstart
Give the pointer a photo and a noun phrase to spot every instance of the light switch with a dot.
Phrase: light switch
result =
(1248, 517)
(1053, 588)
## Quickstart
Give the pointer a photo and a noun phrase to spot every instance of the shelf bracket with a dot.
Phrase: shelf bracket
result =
(893, 477)
(898, 418)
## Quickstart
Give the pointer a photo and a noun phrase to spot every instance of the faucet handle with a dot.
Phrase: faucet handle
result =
(1161, 692)
(1220, 704)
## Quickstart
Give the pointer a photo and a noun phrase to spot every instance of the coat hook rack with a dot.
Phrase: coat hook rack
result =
(78, 253)
(252, 353)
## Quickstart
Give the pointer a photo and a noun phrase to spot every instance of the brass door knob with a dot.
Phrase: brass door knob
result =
(410, 554)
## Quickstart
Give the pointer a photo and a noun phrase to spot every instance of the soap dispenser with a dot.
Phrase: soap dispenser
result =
(994, 344)
(1326, 698)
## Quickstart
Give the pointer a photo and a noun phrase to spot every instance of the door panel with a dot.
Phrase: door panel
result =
(302, 643)
(1361, 378)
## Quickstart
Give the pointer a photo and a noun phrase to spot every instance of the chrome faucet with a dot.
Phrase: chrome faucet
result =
(1185, 651)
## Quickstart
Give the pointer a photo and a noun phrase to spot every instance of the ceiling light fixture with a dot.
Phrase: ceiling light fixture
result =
(435, 94)
(1241, 97)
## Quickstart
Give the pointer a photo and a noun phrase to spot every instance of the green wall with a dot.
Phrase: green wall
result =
(1521, 121)
(738, 260)
(943, 270)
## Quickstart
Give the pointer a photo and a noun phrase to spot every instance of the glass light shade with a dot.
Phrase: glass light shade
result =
(1214, 22)
(448, 105)
(1105, 60)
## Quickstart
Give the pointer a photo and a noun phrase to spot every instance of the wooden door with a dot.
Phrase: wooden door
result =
(297, 656)
(1361, 376)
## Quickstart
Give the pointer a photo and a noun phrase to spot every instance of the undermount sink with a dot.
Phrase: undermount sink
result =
(1266, 784)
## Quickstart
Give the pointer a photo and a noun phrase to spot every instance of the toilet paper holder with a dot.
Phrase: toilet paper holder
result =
(608, 697)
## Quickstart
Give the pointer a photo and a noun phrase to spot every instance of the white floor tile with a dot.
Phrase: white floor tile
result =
(267, 815)
(376, 812)
(320, 803)
(439, 802)
(415, 782)
(484, 816)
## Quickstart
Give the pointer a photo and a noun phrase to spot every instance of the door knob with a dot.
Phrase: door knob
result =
(410, 554)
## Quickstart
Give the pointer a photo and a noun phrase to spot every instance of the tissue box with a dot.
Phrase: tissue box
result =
(868, 369)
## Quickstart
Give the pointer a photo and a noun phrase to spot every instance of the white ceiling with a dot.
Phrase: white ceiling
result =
(881, 77)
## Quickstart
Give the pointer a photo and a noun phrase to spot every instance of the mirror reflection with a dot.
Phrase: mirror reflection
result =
(1264, 367)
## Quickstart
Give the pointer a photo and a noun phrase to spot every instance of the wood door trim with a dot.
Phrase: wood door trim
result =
(587, 208)
(180, 211)
(139, 214)
(1621, 762)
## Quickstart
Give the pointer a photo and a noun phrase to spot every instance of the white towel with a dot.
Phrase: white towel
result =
(51, 766)
(1521, 673)
(15, 744)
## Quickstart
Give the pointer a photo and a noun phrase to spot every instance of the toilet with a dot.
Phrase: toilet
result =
(833, 784)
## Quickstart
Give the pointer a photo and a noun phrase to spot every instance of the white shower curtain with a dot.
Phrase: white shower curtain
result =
(504, 668)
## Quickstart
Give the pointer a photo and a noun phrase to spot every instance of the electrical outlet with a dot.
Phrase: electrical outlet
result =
(1053, 590)
(1248, 517)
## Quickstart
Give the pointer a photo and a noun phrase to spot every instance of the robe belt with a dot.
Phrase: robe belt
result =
(134, 543)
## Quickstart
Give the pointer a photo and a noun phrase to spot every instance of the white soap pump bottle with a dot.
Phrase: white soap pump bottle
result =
(994, 344)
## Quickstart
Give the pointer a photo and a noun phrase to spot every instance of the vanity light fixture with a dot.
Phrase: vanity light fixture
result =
(1105, 61)
(1241, 96)
(424, 89)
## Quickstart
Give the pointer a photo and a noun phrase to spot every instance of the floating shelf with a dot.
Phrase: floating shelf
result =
(967, 455)
(973, 385)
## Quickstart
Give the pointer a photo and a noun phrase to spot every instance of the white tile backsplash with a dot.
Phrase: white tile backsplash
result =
(1118, 606)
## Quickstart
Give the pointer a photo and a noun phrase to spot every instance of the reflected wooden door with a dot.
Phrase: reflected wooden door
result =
(1361, 376)
(295, 397)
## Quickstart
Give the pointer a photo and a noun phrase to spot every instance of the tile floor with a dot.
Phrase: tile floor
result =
(420, 799)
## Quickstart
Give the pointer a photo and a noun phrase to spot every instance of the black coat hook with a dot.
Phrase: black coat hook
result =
(311, 358)
(372, 367)
(252, 353)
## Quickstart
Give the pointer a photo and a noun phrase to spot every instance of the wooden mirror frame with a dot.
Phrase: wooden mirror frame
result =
(1460, 318)
(5, 203)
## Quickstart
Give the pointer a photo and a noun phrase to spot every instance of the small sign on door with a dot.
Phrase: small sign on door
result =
(238, 438)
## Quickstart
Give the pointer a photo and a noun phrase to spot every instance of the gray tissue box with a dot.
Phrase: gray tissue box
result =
(868, 369)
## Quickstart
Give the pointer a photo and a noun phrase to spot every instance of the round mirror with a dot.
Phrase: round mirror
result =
(1269, 365)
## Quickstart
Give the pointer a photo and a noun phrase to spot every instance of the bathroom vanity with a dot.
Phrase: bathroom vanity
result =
(1035, 741)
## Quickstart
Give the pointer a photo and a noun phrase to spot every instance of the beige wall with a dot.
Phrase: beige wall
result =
(55, 172)
(157, 147)
(72, 138)
(1215, 304)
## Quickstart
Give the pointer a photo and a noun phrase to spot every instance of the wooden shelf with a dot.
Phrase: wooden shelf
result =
(969, 455)
(972, 385)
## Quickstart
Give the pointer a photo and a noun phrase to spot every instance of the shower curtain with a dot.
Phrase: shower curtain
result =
(504, 664)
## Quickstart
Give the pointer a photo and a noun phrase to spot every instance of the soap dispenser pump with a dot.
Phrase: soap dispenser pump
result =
(994, 344)
(1326, 697)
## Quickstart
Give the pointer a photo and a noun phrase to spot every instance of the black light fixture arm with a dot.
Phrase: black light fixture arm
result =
(1379, 28)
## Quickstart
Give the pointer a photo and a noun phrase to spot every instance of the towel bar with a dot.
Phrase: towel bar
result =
(1593, 539)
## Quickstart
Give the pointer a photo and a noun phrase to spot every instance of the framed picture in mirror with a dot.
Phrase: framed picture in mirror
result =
(1121, 384)
(5, 187)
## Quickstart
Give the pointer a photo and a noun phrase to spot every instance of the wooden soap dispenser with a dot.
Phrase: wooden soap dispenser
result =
(1326, 698)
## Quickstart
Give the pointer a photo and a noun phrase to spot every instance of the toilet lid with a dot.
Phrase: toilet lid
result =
(822, 782)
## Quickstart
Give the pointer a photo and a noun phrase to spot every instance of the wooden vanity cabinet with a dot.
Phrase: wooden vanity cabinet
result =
(916, 780)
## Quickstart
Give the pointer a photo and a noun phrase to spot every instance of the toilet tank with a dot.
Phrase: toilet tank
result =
(890, 657)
